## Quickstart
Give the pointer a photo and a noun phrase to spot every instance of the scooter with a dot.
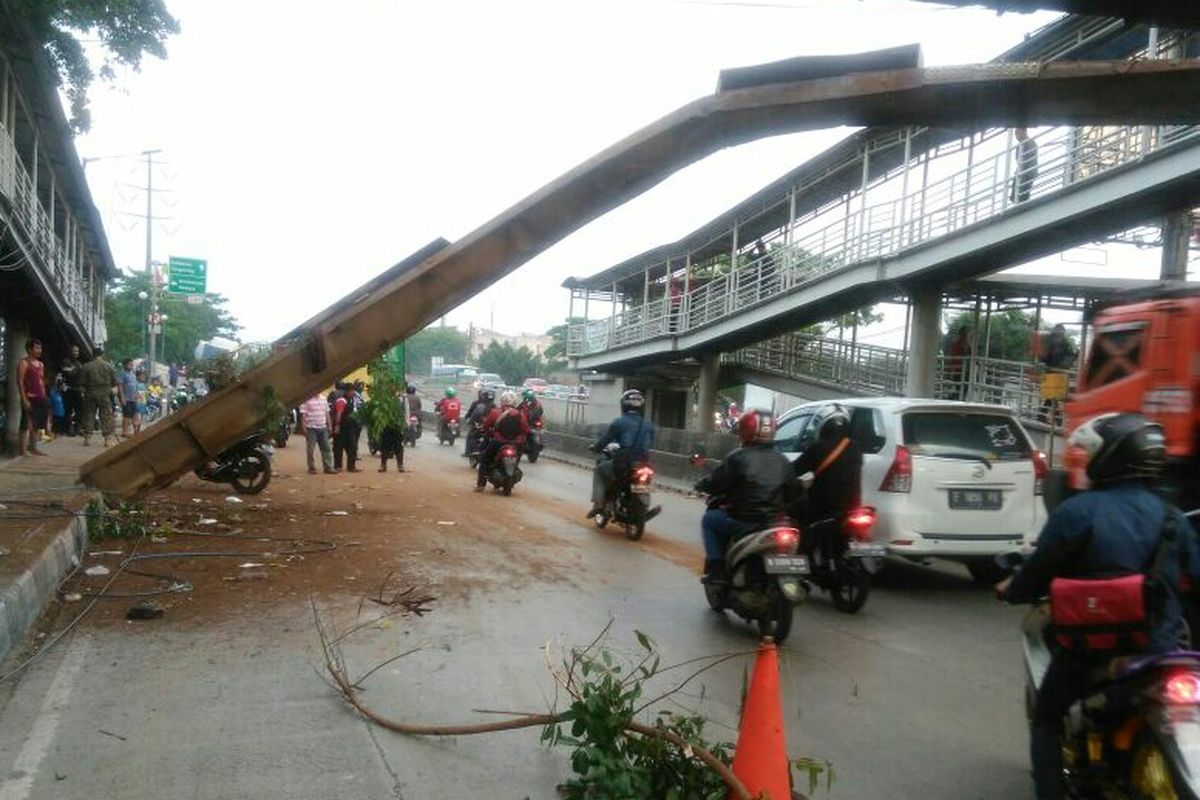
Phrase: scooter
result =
(630, 505)
(246, 466)
(1136, 733)
(533, 442)
(766, 579)
(413, 432)
(448, 432)
(506, 471)
(838, 549)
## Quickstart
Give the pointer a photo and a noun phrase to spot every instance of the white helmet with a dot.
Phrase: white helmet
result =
(508, 399)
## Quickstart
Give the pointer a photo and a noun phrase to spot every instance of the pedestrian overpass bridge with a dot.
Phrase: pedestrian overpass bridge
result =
(986, 216)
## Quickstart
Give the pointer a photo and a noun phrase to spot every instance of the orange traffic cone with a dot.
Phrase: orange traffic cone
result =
(760, 760)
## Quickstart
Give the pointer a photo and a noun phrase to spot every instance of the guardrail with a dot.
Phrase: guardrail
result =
(834, 237)
(53, 259)
(863, 369)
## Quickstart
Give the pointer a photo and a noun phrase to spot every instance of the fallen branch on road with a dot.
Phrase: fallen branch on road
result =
(573, 679)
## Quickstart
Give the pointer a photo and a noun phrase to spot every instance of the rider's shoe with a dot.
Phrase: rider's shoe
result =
(653, 512)
(714, 572)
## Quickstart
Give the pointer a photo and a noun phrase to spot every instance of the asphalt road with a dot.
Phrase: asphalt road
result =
(917, 696)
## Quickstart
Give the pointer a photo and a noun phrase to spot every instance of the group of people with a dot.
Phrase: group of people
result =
(70, 401)
(333, 426)
(495, 425)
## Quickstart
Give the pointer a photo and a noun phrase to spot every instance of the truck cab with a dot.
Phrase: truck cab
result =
(1145, 357)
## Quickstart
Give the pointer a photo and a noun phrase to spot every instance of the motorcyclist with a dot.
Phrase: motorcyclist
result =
(635, 435)
(1113, 529)
(476, 414)
(503, 425)
(834, 461)
(752, 486)
(448, 409)
(531, 407)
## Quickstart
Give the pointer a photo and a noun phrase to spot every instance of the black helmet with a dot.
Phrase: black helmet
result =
(487, 396)
(410, 389)
(633, 400)
(831, 421)
(1121, 447)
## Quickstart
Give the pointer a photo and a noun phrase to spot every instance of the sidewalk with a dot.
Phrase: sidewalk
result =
(42, 532)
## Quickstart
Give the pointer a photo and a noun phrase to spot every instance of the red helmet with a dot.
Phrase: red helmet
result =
(756, 427)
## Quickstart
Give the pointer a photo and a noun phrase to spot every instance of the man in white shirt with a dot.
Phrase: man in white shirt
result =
(314, 422)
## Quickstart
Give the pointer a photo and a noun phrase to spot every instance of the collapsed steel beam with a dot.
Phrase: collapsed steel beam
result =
(1169, 13)
(967, 98)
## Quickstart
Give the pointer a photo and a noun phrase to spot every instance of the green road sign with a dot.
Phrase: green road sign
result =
(187, 275)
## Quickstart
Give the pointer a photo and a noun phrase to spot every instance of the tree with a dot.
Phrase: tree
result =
(556, 353)
(127, 30)
(1011, 336)
(514, 365)
(448, 343)
(186, 326)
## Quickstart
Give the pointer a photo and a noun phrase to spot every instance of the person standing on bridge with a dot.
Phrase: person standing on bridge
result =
(957, 355)
(1027, 166)
(347, 428)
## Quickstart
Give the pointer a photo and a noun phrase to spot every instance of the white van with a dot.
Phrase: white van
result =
(960, 481)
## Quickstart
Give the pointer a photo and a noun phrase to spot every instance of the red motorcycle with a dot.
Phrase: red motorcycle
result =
(506, 470)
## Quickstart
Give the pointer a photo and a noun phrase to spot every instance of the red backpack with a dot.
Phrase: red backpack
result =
(1115, 614)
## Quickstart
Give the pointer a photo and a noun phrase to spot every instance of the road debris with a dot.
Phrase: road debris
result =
(206, 521)
(146, 610)
(233, 501)
(96, 571)
(446, 522)
(107, 733)
(72, 597)
(337, 513)
(107, 553)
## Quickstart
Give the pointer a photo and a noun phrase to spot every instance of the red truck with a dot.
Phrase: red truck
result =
(1145, 357)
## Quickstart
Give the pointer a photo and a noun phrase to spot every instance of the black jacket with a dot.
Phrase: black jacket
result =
(756, 483)
(839, 486)
(479, 411)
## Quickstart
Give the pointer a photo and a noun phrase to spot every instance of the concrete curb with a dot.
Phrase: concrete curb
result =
(22, 601)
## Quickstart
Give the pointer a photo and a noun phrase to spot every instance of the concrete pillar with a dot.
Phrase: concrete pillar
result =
(17, 332)
(1177, 230)
(706, 399)
(923, 342)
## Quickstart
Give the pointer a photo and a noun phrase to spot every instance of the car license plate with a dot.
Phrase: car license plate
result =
(864, 550)
(639, 488)
(976, 499)
(786, 565)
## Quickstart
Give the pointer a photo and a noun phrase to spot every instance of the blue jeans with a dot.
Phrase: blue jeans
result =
(719, 529)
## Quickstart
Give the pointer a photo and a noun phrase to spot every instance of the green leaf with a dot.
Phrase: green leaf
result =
(645, 641)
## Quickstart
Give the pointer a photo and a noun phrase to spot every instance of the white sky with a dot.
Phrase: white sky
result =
(308, 146)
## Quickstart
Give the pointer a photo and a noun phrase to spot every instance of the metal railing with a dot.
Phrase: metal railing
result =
(864, 369)
(50, 253)
(837, 236)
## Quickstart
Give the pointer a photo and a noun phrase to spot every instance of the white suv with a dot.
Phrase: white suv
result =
(960, 481)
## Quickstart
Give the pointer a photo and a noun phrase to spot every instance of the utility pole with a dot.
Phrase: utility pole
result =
(154, 284)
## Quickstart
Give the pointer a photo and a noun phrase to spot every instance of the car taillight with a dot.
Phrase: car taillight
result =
(786, 539)
(859, 523)
(1041, 468)
(643, 474)
(899, 474)
(1182, 688)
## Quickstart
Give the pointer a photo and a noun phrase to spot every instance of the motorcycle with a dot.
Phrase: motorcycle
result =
(474, 443)
(448, 432)
(413, 431)
(180, 398)
(630, 504)
(767, 574)
(838, 550)
(533, 442)
(286, 426)
(246, 466)
(506, 471)
(1135, 735)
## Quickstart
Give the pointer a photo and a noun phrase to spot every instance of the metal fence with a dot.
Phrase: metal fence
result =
(863, 369)
(837, 237)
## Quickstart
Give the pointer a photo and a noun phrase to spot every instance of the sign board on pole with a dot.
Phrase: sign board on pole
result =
(1055, 386)
(187, 275)
(195, 300)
